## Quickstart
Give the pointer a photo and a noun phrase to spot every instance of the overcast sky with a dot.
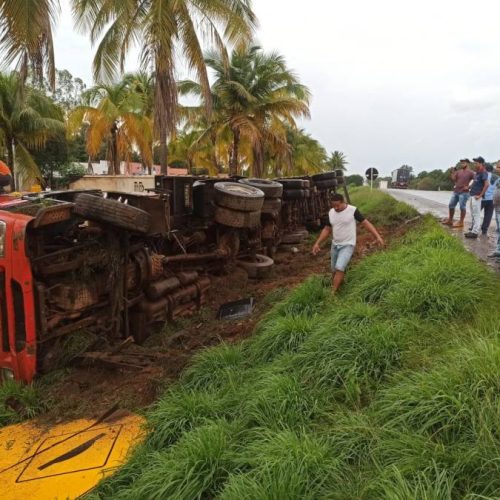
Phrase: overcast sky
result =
(393, 81)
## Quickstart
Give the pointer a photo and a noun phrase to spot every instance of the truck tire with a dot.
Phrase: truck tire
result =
(296, 194)
(295, 238)
(260, 268)
(238, 196)
(326, 176)
(112, 212)
(271, 189)
(289, 184)
(322, 185)
(271, 205)
(234, 218)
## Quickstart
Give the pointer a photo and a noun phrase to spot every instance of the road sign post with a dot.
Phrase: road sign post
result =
(371, 175)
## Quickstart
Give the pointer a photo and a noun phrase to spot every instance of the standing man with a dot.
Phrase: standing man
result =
(478, 188)
(461, 176)
(487, 201)
(496, 204)
(342, 225)
(5, 176)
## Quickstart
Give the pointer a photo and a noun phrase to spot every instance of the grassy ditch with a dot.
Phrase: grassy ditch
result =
(389, 390)
(19, 402)
(380, 208)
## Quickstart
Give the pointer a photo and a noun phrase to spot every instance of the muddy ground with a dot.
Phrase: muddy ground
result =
(90, 390)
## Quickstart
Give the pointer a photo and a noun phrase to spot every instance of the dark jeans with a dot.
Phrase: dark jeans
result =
(487, 206)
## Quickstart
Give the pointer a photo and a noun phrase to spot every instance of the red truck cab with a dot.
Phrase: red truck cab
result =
(17, 308)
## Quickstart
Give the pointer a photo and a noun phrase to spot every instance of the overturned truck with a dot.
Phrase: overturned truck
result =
(115, 264)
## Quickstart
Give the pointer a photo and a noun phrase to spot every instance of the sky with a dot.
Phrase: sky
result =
(393, 82)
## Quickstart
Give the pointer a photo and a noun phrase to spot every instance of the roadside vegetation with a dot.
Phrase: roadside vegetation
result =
(19, 402)
(389, 390)
(381, 209)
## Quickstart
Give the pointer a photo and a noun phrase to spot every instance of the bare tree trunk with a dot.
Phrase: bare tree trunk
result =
(90, 168)
(258, 161)
(10, 161)
(163, 152)
(115, 159)
(235, 150)
(213, 156)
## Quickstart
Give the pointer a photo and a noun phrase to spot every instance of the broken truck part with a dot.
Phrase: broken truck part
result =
(115, 264)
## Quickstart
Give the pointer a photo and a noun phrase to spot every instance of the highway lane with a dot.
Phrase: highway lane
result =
(436, 203)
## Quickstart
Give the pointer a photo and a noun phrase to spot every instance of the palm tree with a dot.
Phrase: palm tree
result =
(162, 30)
(254, 97)
(186, 148)
(28, 119)
(114, 115)
(26, 37)
(337, 161)
(305, 156)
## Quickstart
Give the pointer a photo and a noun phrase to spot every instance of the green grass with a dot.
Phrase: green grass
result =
(19, 402)
(380, 208)
(389, 390)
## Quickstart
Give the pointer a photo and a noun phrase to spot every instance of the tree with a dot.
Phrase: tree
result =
(255, 97)
(26, 37)
(432, 181)
(52, 157)
(304, 156)
(337, 161)
(355, 180)
(115, 116)
(162, 30)
(28, 119)
(187, 151)
(69, 90)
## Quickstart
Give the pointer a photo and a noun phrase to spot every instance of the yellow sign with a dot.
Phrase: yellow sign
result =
(65, 461)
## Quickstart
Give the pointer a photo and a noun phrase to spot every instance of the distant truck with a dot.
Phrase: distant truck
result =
(400, 178)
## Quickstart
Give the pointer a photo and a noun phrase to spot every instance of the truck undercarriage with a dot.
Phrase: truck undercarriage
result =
(116, 264)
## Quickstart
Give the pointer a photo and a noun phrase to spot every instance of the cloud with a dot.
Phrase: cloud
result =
(473, 100)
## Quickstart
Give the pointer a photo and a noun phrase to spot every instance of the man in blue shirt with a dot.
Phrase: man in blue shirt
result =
(496, 204)
(478, 187)
(487, 203)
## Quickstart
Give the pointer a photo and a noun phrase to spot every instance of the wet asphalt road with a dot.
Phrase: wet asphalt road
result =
(436, 203)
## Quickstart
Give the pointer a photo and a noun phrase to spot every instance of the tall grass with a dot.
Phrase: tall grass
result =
(380, 208)
(391, 390)
(19, 402)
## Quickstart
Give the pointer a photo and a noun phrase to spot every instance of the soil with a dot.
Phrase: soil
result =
(87, 391)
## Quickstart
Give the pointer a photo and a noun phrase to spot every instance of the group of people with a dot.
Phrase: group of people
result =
(476, 182)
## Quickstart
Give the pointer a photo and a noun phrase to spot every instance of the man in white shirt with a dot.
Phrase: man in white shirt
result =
(342, 226)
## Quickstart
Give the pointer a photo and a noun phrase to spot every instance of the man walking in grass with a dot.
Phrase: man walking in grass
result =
(461, 176)
(342, 220)
(478, 188)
